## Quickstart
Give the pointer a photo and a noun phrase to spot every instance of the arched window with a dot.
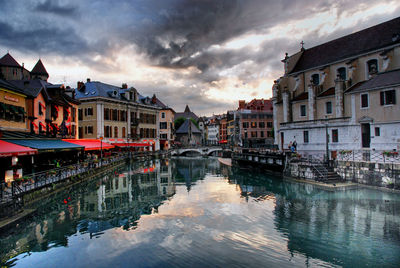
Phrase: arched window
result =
(115, 132)
(123, 132)
(315, 79)
(372, 66)
(341, 73)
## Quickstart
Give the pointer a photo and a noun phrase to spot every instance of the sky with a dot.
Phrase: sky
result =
(208, 54)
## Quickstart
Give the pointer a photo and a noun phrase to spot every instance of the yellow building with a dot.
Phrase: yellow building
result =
(12, 108)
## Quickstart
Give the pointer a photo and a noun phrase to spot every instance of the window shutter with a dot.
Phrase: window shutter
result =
(382, 98)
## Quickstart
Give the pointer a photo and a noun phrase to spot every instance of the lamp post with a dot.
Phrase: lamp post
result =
(327, 140)
(101, 150)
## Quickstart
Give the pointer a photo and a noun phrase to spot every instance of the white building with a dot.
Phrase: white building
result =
(342, 95)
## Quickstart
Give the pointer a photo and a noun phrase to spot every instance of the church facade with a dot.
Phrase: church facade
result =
(341, 95)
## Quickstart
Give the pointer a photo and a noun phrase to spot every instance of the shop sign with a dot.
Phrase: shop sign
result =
(9, 98)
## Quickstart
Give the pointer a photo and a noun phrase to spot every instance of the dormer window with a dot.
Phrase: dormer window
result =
(315, 79)
(341, 73)
(372, 66)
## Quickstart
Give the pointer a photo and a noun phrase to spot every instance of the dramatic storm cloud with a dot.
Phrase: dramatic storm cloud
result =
(205, 53)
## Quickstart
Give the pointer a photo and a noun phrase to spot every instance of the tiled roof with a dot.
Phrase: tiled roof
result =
(99, 89)
(376, 37)
(302, 96)
(32, 88)
(7, 85)
(8, 60)
(39, 68)
(328, 92)
(381, 80)
(184, 128)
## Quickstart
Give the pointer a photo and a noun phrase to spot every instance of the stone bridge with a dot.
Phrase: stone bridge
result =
(204, 151)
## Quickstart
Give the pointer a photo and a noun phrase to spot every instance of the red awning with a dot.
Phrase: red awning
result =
(132, 144)
(223, 141)
(90, 144)
(11, 149)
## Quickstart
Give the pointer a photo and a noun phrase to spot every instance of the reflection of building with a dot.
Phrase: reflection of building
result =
(139, 189)
(328, 224)
(344, 93)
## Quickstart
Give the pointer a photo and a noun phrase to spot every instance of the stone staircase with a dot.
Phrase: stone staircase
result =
(324, 173)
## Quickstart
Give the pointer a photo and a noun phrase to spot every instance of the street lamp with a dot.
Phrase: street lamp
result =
(101, 150)
(327, 140)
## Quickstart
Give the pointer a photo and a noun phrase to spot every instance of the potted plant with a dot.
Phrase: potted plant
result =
(390, 153)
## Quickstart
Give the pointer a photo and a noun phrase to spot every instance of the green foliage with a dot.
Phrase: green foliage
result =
(194, 122)
(178, 122)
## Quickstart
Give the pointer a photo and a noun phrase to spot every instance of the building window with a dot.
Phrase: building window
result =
(123, 132)
(341, 73)
(328, 107)
(80, 114)
(377, 131)
(372, 66)
(245, 124)
(163, 125)
(115, 115)
(303, 110)
(254, 134)
(364, 100)
(261, 124)
(162, 115)
(73, 113)
(315, 79)
(253, 124)
(163, 136)
(40, 109)
(89, 111)
(305, 136)
(90, 130)
(335, 135)
(106, 114)
(388, 97)
(115, 132)
(261, 134)
(269, 124)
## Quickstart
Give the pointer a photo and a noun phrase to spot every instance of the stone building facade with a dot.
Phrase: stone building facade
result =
(119, 115)
(341, 95)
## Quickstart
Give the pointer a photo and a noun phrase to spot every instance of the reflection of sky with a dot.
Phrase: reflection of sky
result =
(210, 225)
(217, 223)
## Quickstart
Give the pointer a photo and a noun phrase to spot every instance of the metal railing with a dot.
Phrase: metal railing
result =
(48, 177)
(369, 156)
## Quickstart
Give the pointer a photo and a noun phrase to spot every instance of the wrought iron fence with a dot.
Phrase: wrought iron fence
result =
(369, 156)
(48, 177)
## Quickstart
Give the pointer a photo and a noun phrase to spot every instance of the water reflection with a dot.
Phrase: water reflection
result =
(195, 212)
(348, 228)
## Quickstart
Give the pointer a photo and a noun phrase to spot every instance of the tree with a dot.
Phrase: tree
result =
(178, 122)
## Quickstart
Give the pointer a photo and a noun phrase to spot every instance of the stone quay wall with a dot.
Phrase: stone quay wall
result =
(369, 173)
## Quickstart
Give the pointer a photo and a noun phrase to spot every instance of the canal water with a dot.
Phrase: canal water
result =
(189, 212)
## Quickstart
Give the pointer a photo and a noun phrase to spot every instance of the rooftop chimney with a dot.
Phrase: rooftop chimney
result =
(88, 80)
(80, 85)
(124, 86)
